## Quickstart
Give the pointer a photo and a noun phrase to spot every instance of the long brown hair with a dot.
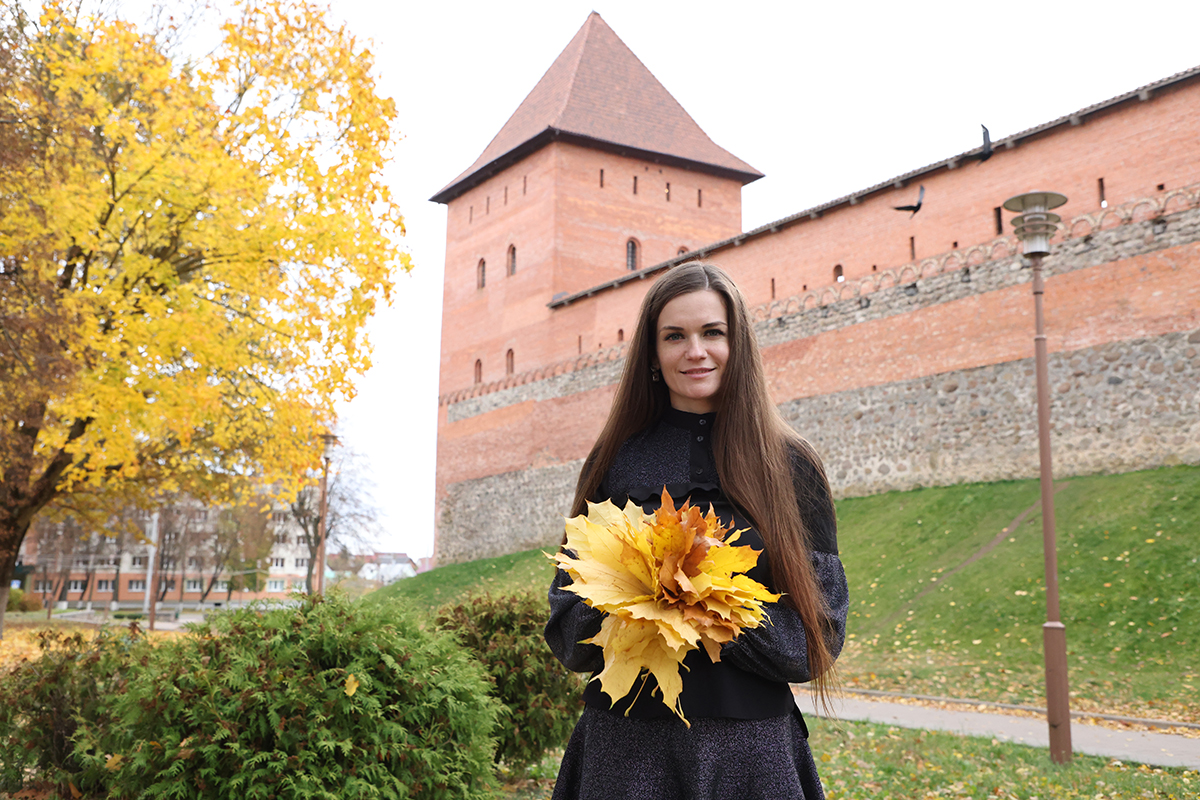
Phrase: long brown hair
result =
(750, 445)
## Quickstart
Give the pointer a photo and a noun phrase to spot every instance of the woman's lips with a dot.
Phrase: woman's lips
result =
(699, 373)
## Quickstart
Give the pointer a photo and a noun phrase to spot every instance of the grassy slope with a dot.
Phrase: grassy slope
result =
(1131, 607)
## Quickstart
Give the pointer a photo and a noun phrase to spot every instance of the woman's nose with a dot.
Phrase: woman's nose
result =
(696, 348)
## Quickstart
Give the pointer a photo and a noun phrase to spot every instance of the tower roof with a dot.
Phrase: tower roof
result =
(598, 94)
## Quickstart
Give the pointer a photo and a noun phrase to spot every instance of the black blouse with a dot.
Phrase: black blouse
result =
(751, 680)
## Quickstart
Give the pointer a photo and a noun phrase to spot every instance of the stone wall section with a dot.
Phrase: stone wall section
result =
(1116, 407)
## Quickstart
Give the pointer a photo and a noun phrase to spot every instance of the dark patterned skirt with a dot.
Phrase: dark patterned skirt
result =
(613, 756)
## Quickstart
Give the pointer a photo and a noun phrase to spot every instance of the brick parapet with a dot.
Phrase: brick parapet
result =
(1142, 226)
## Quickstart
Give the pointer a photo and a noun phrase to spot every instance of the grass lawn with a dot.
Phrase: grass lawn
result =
(946, 600)
(865, 761)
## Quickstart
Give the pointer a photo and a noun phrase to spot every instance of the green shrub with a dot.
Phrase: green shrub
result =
(44, 701)
(20, 600)
(325, 700)
(543, 698)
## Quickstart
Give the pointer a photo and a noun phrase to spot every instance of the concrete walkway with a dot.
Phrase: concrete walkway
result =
(1156, 749)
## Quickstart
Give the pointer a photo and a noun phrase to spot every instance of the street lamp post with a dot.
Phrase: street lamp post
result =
(1034, 226)
(330, 442)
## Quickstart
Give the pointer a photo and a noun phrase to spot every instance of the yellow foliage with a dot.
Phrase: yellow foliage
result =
(351, 685)
(670, 582)
(204, 241)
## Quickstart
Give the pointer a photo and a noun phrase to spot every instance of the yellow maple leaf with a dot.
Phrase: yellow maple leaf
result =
(671, 582)
(351, 685)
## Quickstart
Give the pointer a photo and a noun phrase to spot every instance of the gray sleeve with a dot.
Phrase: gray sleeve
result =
(778, 650)
(571, 621)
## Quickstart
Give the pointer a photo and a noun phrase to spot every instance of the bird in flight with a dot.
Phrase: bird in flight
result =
(917, 207)
(986, 152)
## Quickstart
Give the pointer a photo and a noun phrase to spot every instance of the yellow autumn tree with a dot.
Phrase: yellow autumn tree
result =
(189, 251)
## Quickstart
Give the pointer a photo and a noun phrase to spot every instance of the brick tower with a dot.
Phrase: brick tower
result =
(598, 172)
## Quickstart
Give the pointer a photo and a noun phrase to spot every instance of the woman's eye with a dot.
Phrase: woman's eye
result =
(672, 337)
(714, 332)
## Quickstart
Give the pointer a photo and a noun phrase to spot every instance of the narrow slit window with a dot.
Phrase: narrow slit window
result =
(620, 335)
(505, 195)
(601, 179)
(487, 209)
(668, 192)
(508, 362)
(912, 248)
(838, 274)
(524, 184)
(635, 184)
(631, 255)
(999, 212)
(954, 245)
(772, 288)
(1100, 187)
(471, 214)
(512, 259)
(478, 371)
(581, 344)
(699, 198)
(481, 274)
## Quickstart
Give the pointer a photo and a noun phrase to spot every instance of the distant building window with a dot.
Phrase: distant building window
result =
(299, 584)
(682, 251)
(505, 195)
(478, 371)
(193, 585)
(481, 274)
(838, 274)
(508, 363)
(274, 586)
(137, 586)
(104, 586)
(75, 586)
(512, 259)
(1100, 187)
(635, 184)
(668, 192)
(277, 562)
(193, 563)
(137, 561)
(601, 179)
(631, 255)
(167, 586)
(998, 211)
(699, 198)
(222, 586)
(620, 334)
(301, 562)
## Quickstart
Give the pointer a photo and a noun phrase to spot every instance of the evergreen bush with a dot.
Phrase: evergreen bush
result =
(325, 700)
(543, 698)
(43, 701)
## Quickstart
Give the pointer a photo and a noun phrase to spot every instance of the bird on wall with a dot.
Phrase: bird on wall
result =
(986, 152)
(917, 207)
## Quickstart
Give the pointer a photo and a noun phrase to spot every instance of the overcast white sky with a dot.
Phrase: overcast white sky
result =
(824, 98)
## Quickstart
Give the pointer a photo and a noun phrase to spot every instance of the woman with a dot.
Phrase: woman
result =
(692, 413)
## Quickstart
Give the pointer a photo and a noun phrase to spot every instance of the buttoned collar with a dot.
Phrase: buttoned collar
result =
(688, 421)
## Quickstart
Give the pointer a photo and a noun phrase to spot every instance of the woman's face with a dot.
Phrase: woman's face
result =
(692, 346)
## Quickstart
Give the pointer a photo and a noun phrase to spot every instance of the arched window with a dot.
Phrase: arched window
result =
(631, 255)
(508, 363)
(620, 335)
(481, 274)
(478, 371)
(512, 259)
(682, 251)
(837, 274)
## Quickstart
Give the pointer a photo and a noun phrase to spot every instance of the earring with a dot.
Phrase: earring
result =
(654, 374)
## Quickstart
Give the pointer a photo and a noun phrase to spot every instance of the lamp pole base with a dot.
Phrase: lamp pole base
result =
(1058, 708)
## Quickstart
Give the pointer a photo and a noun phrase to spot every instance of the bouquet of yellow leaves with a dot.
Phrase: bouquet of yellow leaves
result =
(670, 582)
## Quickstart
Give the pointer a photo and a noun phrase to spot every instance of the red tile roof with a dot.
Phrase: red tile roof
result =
(597, 93)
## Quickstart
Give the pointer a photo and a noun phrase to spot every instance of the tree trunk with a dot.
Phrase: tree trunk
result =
(8, 563)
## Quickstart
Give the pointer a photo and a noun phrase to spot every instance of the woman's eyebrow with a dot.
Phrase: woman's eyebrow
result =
(705, 325)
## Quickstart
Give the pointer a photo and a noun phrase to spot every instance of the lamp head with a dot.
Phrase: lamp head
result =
(331, 442)
(1034, 224)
